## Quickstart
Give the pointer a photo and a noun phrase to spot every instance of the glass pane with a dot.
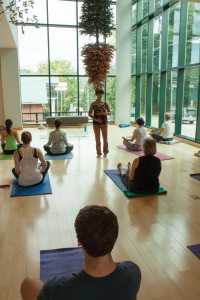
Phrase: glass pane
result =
(110, 96)
(39, 10)
(30, 56)
(158, 3)
(86, 94)
(189, 114)
(34, 97)
(193, 34)
(62, 12)
(133, 89)
(133, 69)
(134, 13)
(64, 96)
(157, 32)
(63, 48)
(111, 40)
(143, 96)
(155, 100)
(145, 8)
(144, 46)
(171, 90)
(173, 35)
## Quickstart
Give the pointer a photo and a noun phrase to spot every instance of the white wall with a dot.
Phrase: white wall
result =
(123, 61)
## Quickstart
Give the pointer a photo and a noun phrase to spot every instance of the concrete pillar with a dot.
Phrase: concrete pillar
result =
(123, 61)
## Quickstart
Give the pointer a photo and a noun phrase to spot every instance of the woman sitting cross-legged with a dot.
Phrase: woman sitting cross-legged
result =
(142, 175)
(57, 143)
(135, 142)
(26, 159)
(10, 139)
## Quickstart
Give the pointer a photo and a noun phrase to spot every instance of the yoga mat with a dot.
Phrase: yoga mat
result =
(169, 142)
(124, 125)
(40, 189)
(195, 249)
(6, 156)
(196, 176)
(58, 157)
(116, 178)
(141, 153)
(60, 262)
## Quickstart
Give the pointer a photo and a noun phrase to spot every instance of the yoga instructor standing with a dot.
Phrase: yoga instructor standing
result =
(98, 112)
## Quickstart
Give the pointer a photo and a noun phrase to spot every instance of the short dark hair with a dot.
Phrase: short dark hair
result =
(97, 229)
(99, 91)
(57, 123)
(26, 137)
(140, 121)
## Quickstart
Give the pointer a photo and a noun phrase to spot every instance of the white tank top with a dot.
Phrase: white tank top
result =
(30, 174)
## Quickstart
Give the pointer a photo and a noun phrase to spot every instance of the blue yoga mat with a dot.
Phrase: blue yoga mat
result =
(116, 178)
(58, 157)
(40, 189)
(124, 125)
(195, 249)
(60, 262)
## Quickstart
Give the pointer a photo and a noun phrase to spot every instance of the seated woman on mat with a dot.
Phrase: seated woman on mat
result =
(165, 133)
(58, 140)
(26, 158)
(9, 139)
(138, 136)
(142, 175)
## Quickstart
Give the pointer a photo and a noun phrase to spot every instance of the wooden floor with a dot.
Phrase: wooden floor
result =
(154, 231)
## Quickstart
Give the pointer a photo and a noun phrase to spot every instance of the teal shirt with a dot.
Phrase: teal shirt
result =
(122, 283)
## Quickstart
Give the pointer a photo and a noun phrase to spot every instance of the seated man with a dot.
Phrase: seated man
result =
(101, 279)
(165, 133)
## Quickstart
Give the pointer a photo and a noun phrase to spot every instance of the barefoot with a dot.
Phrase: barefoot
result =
(119, 167)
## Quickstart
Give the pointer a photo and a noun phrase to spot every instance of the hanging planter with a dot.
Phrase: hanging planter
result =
(97, 59)
(97, 20)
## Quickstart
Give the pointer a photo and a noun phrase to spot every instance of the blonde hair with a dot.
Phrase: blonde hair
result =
(149, 146)
(167, 116)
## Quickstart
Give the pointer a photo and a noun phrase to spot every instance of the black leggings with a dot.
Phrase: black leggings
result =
(67, 150)
(10, 151)
(43, 173)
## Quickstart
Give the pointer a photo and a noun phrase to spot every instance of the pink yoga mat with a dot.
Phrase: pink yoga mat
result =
(141, 153)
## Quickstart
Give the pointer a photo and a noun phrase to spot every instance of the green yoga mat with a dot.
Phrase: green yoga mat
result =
(128, 194)
(6, 156)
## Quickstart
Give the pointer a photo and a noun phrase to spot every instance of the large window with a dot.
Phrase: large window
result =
(51, 63)
(168, 59)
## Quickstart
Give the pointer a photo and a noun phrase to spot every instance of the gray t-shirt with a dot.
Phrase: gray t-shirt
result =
(122, 283)
(140, 133)
(58, 140)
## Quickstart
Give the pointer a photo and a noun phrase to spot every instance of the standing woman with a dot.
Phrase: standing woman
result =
(10, 139)
(26, 158)
(99, 110)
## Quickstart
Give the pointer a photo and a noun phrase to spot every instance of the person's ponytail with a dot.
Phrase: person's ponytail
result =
(8, 123)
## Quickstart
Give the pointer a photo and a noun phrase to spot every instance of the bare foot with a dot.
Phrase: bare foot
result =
(119, 167)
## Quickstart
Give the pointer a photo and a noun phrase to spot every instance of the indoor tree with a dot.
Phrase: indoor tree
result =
(97, 21)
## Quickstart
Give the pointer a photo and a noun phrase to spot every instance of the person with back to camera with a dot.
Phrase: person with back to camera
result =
(101, 278)
(142, 176)
(98, 112)
(9, 139)
(138, 136)
(57, 143)
(26, 163)
(165, 133)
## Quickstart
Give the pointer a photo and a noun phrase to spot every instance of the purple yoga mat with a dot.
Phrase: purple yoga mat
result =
(196, 176)
(60, 262)
(195, 249)
(141, 153)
